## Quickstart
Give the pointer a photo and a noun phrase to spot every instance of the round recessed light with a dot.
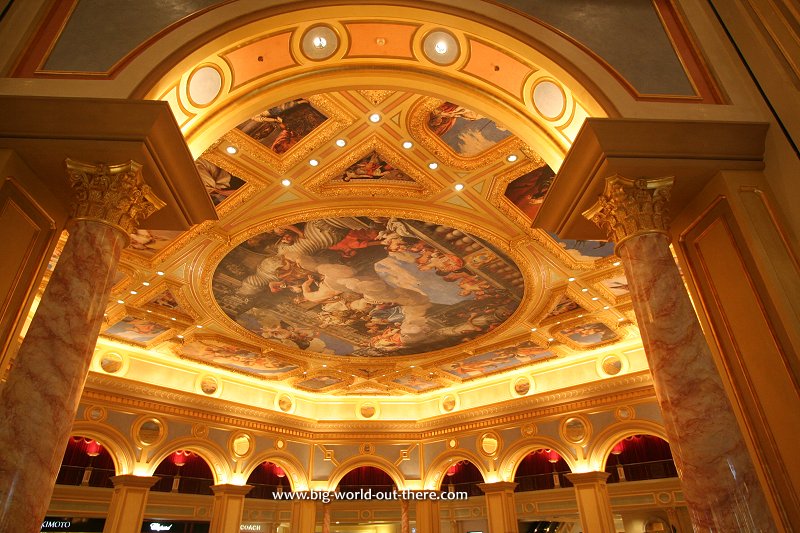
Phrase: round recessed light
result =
(570, 279)
(606, 307)
(180, 336)
(160, 273)
(620, 319)
(617, 263)
(440, 47)
(580, 316)
(551, 339)
(120, 301)
(584, 289)
(433, 165)
(407, 145)
(146, 283)
(198, 326)
(459, 186)
(313, 162)
(286, 182)
(134, 292)
(231, 149)
(375, 117)
(341, 143)
(595, 298)
(319, 42)
(534, 329)
(149, 311)
(511, 158)
(173, 318)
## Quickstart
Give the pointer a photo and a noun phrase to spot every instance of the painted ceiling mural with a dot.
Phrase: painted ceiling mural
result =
(367, 286)
(378, 305)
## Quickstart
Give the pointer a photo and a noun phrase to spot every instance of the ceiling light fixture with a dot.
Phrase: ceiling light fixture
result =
(231, 149)
(594, 299)
(584, 289)
(286, 182)
(198, 326)
(146, 283)
(134, 292)
(341, 143)
(375, 118)
(440, 47)
(511, 158)
(606, 307)
(180, 336)
(433, 165)
(160, 273)
(313, 162)
(534, 329)
(173, 318)
(570, 279)
(407, 145)
(551, 339)
(120, 301)
(459, 186)
(617, 263)
(319, 42)
(620, 319)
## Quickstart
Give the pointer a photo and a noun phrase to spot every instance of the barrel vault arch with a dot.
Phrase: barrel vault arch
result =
(514, 455)
(120, 449)
(217, 458)
(605, 441)
(434, 472)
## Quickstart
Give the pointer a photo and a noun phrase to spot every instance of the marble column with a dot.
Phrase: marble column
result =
(304, 516)
(594, 505)
(718, 478)
(326, 518)
(126, 512)
(40, 398)
(427, 516)
(500, 508)
(405, 526)
(226, 512)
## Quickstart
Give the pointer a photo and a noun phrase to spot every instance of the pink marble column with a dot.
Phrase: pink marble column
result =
(326, 518)
(717, 474)
(405, 526)
(40, 398)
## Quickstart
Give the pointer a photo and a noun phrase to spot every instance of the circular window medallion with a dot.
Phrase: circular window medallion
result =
(367, 410)
(149, 431)
(549, 100)
(448, 403)
(612, 365)
(522, 386)
(204, 85)
(111, 362)
(285, 403)
(95, 413)
(528, 430)
(370, 284)
(489, 443)
(575, 430)
(209, 385)
(241, 445)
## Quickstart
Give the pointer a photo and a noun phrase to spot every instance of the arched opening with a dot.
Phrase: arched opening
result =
(267, 479)
(542, 469)
(366, 482)
(185, 472)
(640, 457)
(462, 476)
(86, 462)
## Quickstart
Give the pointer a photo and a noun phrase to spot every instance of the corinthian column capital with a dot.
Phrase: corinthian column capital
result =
(114, 194)
(632, 207)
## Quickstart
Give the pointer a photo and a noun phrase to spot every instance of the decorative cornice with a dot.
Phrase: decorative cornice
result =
(104, 389)
(632, 207)
(113, 194)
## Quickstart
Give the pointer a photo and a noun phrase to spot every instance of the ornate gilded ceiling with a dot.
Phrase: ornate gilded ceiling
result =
(369, 242)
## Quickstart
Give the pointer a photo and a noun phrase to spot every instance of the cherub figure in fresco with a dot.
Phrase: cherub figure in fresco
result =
(371, 168)
(440, 262)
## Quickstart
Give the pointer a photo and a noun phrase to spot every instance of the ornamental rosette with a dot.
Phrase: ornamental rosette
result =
(115, 194)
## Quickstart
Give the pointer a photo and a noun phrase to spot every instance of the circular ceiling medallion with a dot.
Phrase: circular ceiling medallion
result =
(367, 286)
(549, 99)
(319, 42)
(204, 85)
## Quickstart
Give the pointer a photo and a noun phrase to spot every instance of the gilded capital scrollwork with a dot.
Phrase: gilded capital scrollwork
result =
(630, 207)
(114, 194)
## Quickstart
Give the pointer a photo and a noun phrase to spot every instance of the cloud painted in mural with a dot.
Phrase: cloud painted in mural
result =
(498, 360)
(367, 286)
(227, 355)
(466, 132)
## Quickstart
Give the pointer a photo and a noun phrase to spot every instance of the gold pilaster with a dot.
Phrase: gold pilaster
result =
(114, 194)
(630, 207)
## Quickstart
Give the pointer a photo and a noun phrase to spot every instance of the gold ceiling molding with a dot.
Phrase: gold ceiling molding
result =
(375, 96)
(338, 119)
(153, 399)
(420, 132)
(149, 263)
(323, 182)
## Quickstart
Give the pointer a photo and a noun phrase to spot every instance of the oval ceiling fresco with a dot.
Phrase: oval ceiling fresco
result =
(367, 286)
